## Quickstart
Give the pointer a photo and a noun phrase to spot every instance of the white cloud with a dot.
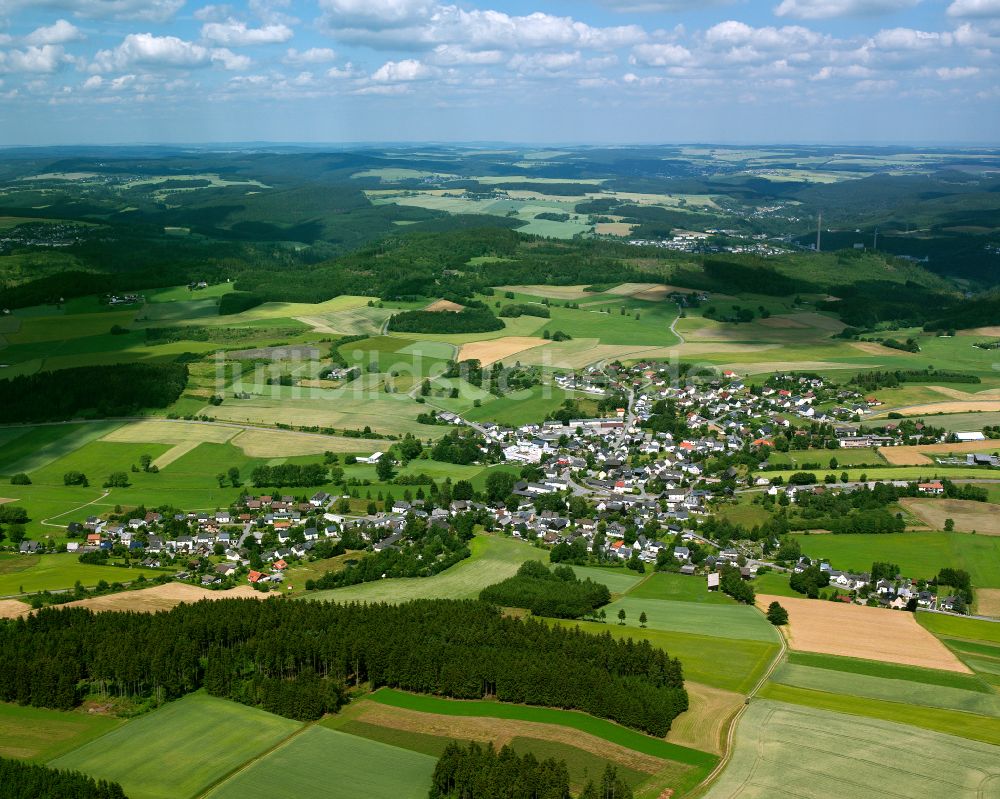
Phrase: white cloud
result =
(660, 6)
(149, 10)
(314, 55)
(343, 73)
(735, 34)
(93, 82)
(374, 14)
(974, 8)
(828, 9)
(233, 33)
(456, 55)
(213, 13)
(957, 73)
(910, 39)
(660, 55)
(45, 59)
(544, 63)
(59, 32)
(398, 71)
(147, 50)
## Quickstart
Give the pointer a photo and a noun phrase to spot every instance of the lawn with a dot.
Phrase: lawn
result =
(790, 751)
(40, 734)
(181, 749)
(953, 722)
(600, 728)
(334, 765)
(716, 620)
(679, 588)
(775, 583)
(919, 555)
(493, 559)
(31, 573)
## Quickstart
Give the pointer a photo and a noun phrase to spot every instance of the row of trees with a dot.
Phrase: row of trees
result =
(250, 651)
(557, 593)
(469, 320)
(289, 474)
(20, 780)
(480, 772)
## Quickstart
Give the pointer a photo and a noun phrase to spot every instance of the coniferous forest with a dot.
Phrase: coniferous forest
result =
(19, 780)
(298, 658)
(557, 593)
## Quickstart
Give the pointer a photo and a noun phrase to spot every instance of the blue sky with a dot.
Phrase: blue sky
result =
(591, 71)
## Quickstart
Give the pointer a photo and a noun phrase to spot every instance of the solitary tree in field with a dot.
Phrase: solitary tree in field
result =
(642, 619)
(621, 616)
(234, 476)
(603, 615)
(949, 525)
(776, 614)
(145, 461)
(383, 468)
(221, 477)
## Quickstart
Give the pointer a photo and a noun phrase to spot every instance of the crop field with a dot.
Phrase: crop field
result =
(40, 734)
(205, 737)
(834, 628)
(348, 322)
(493, 559)
(618, 581)
(21, 574)
(552, 292)
(286, 443)
(13, 608)
(981, 517)
(893, 672)
(988, 601)
(920, 555)
(486, 352)
(679, 587)
(785, 751)
(35, 447)
(161, 597)
(959, 627)
(920, 455)
(335, 765)
(521, 407)
(720, 621)
(703, 725)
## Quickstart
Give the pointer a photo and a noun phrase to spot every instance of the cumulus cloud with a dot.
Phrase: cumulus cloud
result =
(545, 63)
(374, 14)
(148, 10)
(147, 50)
(901, 39)
(957, 73)
(45, 59)
(59, 32)
(660, 55)
(406, 70)
(456, 55)
(974, 8)
(828, 9)
(233, 33)
(314, 55)
(660, 6)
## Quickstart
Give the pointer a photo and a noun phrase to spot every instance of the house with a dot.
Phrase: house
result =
(682, 554)
(934, 488)
(256, 576)
(28, 547)
(225, 570)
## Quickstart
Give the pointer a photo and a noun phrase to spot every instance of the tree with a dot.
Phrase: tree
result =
(642, 619)
(949, 524)
(117, 480)
(384, 468)
(75, 479)
(776, 614)
(500, 485)
(20, 479)
(463, 490)
(221, 478)
(145, 461)
(234, 476)
(621, 615)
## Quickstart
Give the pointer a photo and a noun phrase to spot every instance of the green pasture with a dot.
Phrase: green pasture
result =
(32, 573)
(334, 765)
(181, 749)
(680, 588)
(601, 728)
(886, 473)
(919, 555)
(31, 448)
(716, 620)
(40, 734)
(953, 722)
(176, 293)
(960, 627)
(889, 671)
(521, 407)
(795, 459)
(618, 581)
(98, 459)
(774, 583)
(787, 750)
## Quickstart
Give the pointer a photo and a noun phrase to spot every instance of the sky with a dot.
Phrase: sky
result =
(532, 71)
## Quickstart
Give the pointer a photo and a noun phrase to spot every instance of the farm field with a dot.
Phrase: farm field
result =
(40, 734)
(21, 574)
(919, 555)
(785, 750)
(161, 597)
(680, 588)
(942, 624)
(334, 765)
(834, 628)
(618, 581)
(775, 583)
(34, 447)
(920, 454)
(969, 516)
(717, 620)
(210, 736)
(521, 407)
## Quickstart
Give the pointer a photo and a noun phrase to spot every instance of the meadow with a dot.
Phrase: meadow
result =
(679, 588)
(958, 627)
(40, 734)
(716, 620)
(20, 574)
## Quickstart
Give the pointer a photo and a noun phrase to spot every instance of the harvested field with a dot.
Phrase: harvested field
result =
(445, 305)
(988, 601)
(991, 330)
(6, 499)
(282, 444)
(707, 717)
(918, 455)
(957, 406)
(12, 609)
(170, 432)
(351, 322)
(486, 352)
(834, 628)
(161, 597)
(983, 517)
(552, 292)
(614, 228)
(285, 353)
(783, 321)
(172, 454)
(954, 393)
(871, 348)
(502, 732)
(633, 289)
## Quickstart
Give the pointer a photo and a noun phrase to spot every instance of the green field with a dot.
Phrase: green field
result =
(919, 555)
(493, 559)
(618, 581)
(784, 750)
(600, 728)
(679, 588)
(35, 447)
(20, 574)
(716, 620)
(181, 749)
(959, 627)
(889, 671)
(775, 583)
(520, 407)
(334, 765)
(40, 734)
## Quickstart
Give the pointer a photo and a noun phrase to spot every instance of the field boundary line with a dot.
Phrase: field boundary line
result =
(49, 523)
(253, 760)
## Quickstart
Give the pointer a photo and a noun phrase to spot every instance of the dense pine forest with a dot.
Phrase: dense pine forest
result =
(557, 593)
(297, 658)
(20, 780)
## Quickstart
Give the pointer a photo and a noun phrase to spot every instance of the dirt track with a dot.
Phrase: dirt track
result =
(836, 628)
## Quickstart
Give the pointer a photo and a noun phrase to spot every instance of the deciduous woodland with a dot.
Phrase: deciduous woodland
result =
(297, 658)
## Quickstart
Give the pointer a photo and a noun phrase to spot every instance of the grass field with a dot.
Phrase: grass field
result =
(493, 559)
(618, 581)
(40, 734)
(680, 588)
(334, 765)
(202, 737)
(30, 573)
(774, 583)
(919, 555)
(600, 728)
(35, 447)
(520, 407)
(889, 671)
(716, 620)
(958, 627)
(785, 752)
